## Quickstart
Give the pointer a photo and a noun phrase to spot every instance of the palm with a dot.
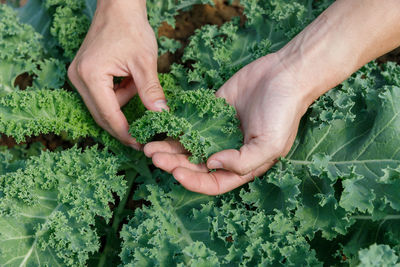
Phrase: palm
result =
(269, 113)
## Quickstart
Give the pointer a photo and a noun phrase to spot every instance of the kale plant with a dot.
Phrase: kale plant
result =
(332, 201)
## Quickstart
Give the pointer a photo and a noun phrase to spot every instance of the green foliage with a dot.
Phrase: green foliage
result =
(47, 208)
(366, 232)
(354, 145)
(166, 44)
(333, 200)
(69, 29)
(187, 229)
(338, 187)
(378, 255)
(219, 52)
(203, 123)
(164, 11)
(34, 112)
(21, 51)
(9, 163)
(51, 74)
(69, 24)
(18, 41)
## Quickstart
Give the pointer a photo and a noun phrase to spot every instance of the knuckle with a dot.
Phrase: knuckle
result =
(244, 166)
(84, 68)
(243, 169)
(152, 88)
(72, 72)
(148, 59)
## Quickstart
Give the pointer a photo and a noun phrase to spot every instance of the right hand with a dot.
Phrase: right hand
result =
(120, 43)
(270, 102)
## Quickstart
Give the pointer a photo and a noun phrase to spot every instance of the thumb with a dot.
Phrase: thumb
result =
(148, 86)
(248, 159)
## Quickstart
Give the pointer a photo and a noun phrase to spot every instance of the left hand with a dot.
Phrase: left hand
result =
(120, 43)
(269, 102)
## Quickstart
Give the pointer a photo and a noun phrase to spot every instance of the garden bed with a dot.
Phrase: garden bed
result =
(71, 195)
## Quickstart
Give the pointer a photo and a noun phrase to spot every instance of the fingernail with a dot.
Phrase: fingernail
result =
(213, 164)
(161, 104)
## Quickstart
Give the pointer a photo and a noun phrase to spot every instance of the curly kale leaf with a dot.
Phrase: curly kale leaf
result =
(8, 162)
(21, 51)
(63, 24)
(338, 187)
(14, 158)
(378, 255)
(18, 41)
(185, 228)
(165, 10)
(363, 234)
(69, 24)
(203, 123)
(73, 4)
(51, 205)
(219, 52)
(69, 30)
(33, 112)
(50, 75)
(346, 155)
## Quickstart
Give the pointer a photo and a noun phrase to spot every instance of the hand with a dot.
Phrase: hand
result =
(272, 93)
(120, 43)
(270, 103)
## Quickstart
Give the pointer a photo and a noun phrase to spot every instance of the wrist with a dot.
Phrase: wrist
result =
(318, 59)
(343, 38)
(278, 76)
(121, 7)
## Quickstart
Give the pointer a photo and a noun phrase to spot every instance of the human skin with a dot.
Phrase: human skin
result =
(270, 95)
(273, 93)
(120, 43)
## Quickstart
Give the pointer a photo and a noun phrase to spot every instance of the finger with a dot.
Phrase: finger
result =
(109, 114)
(146, 80)
(169, 162)
(250, 157)
(262, 169)
(87, 99)
(81, 75)
(212, 183)
(125, 91)
(167, 146)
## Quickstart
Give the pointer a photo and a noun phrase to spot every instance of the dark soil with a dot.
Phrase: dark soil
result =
(391, 56)
(49, 141)
(23, 81)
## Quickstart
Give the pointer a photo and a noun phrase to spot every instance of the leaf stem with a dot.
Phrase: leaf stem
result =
(112, 234)
(367, 217)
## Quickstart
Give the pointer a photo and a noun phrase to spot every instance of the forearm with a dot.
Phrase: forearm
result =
(346, 36)
(122, 8)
